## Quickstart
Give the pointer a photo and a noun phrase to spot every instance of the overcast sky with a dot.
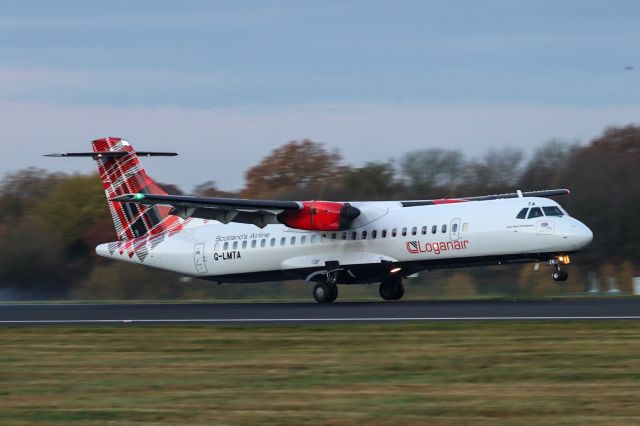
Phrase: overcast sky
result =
(224, 83)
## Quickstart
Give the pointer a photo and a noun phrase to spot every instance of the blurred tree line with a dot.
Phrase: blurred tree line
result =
(50, 223)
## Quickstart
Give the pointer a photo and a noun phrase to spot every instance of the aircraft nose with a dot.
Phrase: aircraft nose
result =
(582, 235)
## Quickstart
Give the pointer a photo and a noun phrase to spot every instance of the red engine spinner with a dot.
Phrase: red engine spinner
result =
(320, 216)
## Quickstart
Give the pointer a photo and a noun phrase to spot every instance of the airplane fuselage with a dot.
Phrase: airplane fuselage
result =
(386, 237)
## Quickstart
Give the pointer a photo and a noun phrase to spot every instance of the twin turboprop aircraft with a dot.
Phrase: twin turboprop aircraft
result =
(327, 243)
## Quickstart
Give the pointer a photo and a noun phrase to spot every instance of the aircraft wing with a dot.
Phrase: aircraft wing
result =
(310, 215)
(544, 193)
(225, 210)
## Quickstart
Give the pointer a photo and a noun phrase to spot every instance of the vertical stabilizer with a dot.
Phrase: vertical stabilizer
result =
(123, 174)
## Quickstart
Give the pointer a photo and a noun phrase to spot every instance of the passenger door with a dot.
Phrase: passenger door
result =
(198, 258)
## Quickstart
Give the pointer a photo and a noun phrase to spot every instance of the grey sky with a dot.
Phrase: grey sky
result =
(223, 83)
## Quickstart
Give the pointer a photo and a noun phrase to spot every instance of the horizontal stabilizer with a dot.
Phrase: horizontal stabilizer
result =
(112, 154)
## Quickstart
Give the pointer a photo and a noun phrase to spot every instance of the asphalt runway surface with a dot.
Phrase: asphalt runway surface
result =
(304, 313)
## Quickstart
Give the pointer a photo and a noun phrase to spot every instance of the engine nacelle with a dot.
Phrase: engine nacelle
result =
(320, 216)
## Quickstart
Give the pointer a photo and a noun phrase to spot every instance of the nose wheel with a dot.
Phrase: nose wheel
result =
(559, 275)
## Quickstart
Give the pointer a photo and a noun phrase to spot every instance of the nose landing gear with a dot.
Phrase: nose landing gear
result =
(560, 274)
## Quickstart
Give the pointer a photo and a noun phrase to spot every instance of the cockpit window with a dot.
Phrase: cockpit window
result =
(534, 212)
(523, 213)
(552, 211)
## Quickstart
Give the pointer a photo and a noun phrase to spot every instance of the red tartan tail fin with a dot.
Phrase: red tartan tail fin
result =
(123, 174)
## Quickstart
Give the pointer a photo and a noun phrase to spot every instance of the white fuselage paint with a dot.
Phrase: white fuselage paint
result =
(484, 229)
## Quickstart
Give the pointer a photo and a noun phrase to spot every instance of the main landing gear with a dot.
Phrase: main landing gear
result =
(325, 292)
(391, 289)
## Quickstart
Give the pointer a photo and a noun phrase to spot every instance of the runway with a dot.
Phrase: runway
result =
(304, 313)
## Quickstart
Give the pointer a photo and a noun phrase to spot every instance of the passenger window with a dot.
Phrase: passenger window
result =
(374, 233)
(384, 233)
(333, 236)
(424, 230)
(263, 243)
(354, 235)
(444, 228)
(244, 244)
(225, 246)
(283, 241)
(404, 232)
(364, 235)
(414, 230)
(465, 227)
(303, 239)
(523, 213)
(434, 229)
(394, 232)
(343, 236)
(552, 211)
(293, 241)
(314, 237)
(273, 242)
(534, 212)
(235, 245)
(216, 247)
(254, 243)
(454, 228)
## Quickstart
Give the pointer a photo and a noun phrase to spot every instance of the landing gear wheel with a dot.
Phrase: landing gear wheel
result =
(560, 275)
(386, 290)
(334, 293)
(398, 290)
(391, 290)
(325, 293)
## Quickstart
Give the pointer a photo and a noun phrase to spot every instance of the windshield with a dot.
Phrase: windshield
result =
(523, 213)
(552, 211)
(534, 212)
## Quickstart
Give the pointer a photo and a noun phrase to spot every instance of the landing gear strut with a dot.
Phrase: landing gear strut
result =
(391, 289)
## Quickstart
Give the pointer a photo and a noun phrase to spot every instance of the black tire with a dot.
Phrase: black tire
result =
(322, 292)
(398, 290)
(334, 293)
(559, 275)
(387, 290)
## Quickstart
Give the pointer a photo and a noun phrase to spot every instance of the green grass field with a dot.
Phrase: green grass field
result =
(533, 373)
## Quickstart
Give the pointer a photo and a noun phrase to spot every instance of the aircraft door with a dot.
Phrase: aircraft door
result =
(198, 258)
(454, 233)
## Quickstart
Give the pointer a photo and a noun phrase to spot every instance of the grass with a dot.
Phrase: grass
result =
(533, 373)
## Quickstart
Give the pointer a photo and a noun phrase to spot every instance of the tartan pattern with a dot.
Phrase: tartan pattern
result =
(135, 224)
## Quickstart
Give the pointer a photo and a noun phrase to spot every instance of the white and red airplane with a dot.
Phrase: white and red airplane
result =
(327, 243)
